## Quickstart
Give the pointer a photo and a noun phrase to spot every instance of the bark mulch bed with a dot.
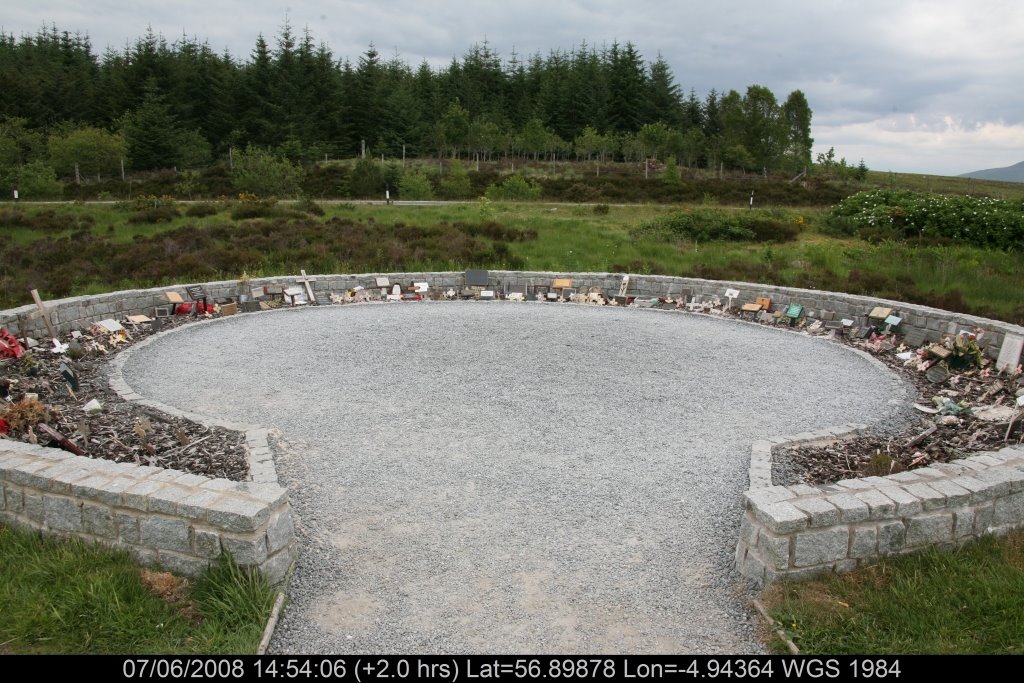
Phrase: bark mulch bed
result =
(39, 405)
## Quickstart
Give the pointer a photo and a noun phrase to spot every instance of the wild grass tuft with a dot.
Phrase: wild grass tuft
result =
(966, 601)
(65, 596)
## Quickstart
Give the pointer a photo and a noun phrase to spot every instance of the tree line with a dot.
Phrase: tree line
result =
(158, 104)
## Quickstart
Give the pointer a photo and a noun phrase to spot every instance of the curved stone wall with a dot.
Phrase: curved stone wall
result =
(79, 312)
(786, 532)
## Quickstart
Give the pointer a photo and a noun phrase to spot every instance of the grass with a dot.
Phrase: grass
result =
(966, 601)
(98, 249)
(64, 596)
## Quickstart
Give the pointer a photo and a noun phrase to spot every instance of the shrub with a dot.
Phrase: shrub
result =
(308, 206)
(414, 186)
(201, 210)
(701, 225)
(709, 224)
(898, 214)
(366, 179)
(37, 180)
(581, 192)
(259, 172)
(514, 188)
(456, 183)
(254, 209)
(768, 230)
(601, 209)
(671, 176)
(154, 214)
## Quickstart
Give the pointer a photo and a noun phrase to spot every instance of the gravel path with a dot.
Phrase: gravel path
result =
(500, 477)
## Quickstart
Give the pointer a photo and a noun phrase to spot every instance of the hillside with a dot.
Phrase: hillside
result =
(1013, 173)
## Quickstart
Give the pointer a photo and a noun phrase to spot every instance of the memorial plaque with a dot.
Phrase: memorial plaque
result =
(477, 278)
(561, 283)
(421, 287)
(159, 324)
(174, 297)
(765, 302)
(732, 293)
(880, 313)
(69, 376)
(383, 282)
(794, 311)
(1009, 353)
(487, 294)
(914, 337)
(893, 321)
(750, 308)
(195, 292)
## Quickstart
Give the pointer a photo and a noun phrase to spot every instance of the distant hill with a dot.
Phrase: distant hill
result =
(1013, 173)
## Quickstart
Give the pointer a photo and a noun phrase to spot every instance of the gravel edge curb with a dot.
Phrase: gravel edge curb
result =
(778, 630)
(258, 453)
(268, 630)
(761, 458)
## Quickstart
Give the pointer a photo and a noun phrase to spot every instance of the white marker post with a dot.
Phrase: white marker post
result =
(731, 294)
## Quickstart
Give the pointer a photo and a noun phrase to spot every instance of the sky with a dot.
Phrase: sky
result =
(930, 87)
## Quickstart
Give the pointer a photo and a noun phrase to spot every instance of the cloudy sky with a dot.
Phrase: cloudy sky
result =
(917, 86)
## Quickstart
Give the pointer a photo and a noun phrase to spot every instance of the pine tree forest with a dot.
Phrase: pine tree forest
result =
(158, 104)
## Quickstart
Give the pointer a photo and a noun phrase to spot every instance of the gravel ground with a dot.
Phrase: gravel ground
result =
(504, 478)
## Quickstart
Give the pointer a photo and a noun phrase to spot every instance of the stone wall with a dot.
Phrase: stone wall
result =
(165, 518)
(184, 521)
(801, 531)
(80, 312)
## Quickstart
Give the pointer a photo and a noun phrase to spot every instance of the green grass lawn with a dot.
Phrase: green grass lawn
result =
(968, 601)
(66, 596)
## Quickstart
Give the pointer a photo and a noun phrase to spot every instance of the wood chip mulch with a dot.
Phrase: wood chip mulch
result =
(38, 405)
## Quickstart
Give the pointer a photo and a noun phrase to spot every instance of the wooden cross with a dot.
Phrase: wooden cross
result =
(45, 313)
(306, 280)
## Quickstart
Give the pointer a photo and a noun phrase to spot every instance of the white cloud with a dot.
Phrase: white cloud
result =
(943, 146)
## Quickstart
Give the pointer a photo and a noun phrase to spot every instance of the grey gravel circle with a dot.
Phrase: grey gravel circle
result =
(504, 478)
